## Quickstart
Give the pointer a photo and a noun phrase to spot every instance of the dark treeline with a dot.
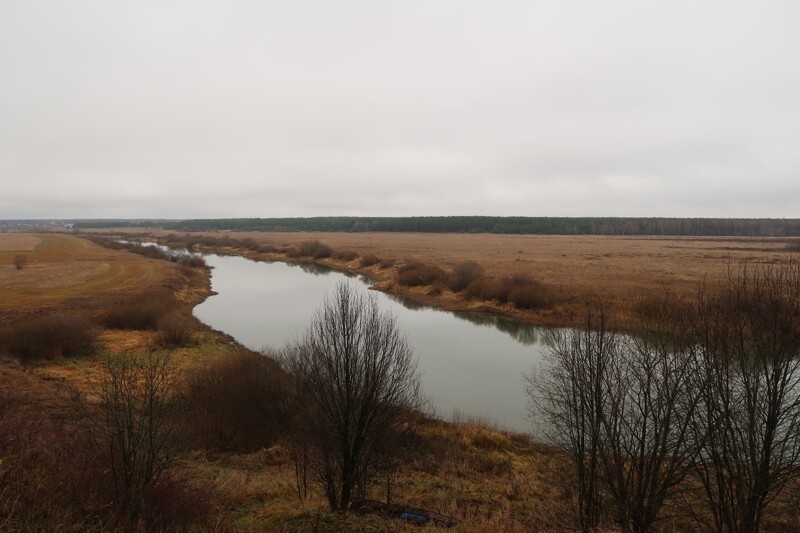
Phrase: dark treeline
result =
(733, 227)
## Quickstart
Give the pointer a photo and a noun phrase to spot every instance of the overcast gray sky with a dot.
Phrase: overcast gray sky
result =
(183, 109)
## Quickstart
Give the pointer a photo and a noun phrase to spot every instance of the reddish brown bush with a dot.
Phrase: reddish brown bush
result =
(414, 274)
(486, 289)
(533, 295)
(463, 274)
(239, 403)
(49, 336)
(173, 505)
(345, 255)
(388, 263)
(369, 260)
(313, 249)
(19, 261)
(174, 330)
(143, 313)
(521, 290)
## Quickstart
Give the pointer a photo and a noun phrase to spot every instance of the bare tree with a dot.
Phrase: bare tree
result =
(568, 394)
(19, 261)
(356, 377)
(748, 335)
(650, 400)
(134, 434)
(621, 406)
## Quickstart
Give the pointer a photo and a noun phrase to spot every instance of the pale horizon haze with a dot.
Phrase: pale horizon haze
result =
(372, 108)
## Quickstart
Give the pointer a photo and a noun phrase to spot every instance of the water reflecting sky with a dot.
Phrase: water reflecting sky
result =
(469, 363)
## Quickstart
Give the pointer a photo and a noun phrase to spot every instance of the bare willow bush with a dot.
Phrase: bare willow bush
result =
(748, 335)
(414, 274)
(174, 330)
(19, 261)
(239, 403)
(135, 433)
(699, 406)
(463, 274)
(356, 382)
(49, 336)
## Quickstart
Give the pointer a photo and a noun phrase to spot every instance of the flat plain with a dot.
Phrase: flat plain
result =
(618, 270)
(64, 272)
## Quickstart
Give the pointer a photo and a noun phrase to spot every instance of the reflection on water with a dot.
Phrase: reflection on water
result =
(470, 363)
(526, 334)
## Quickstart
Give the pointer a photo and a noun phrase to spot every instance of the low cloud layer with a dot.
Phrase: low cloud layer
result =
(224, 109)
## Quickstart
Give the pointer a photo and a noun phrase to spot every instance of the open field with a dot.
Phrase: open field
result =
(483, 478)
(619, 270)
(68, 273)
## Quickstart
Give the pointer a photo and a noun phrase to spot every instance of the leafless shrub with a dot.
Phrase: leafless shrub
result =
(174, 330)
(356, 378)
(239, 403)
(521, 290)
(142, 314)
(387, 263)
(192, 260)
(49, 336)
(413, 274)
(313, 249)
(19, 261)
(369, 260)
(49, 479)
(567, 397)
(463, 274)
(747, 330)
(345, 255)
(134, 436)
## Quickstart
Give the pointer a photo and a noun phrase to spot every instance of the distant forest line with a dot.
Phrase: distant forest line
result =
(733, 227)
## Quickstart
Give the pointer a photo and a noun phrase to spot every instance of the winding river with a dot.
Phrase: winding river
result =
(470, 365)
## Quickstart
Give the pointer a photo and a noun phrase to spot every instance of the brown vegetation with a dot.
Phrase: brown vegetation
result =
(144, 313)
(574, 269)
(19, 261)
(238, 403)
(49, 337)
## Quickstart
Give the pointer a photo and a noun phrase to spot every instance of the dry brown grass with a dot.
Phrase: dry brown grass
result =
(18, 242)
(50, 275)
(68, 274)
(620, 270)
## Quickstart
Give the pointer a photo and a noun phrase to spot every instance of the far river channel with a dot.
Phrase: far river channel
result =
(470, 365)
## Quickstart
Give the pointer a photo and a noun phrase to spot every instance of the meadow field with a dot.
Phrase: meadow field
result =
(619, 271)
(237, 469)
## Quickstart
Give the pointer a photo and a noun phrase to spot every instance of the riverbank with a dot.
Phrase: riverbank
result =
(483, 478)
(622, 272)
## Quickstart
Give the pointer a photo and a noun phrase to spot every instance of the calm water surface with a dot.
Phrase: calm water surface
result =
(469, 364)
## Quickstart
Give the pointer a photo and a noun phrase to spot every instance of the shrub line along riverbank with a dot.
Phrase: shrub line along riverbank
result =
(386, 275)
